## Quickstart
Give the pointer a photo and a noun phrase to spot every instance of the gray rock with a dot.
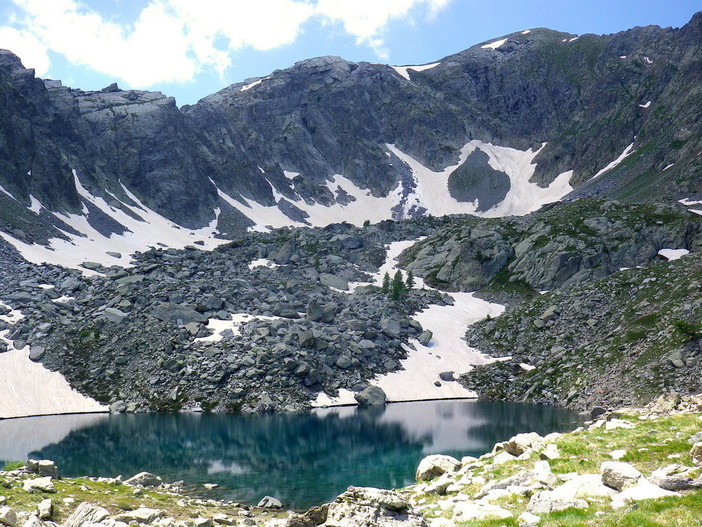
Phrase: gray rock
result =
(371, 396)
(425, 337)
(269, 502)
(178, 314)
(618, 475)
(140, 515)
(364, 507)
(44, 509)
(8, 517)
(390, 326)
(144, 479)
(86, 513)
(44, 467)
(113, 314)
(44, 484)
(435, 465)
(334, 281)
(550, 501)
(36, 353)
(522, 443)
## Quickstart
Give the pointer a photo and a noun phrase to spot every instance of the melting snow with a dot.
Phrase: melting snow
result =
(447, 350)
(494, 45)
(647, 60)
(668, 166)
(262, 262)
(233, 325)
(253, 84)
(526, 31)
(673, 254)
(150, 230)
(523, 197)
(2, 189)
(573, 39)
(627, 151)
(27, 388)
(688, 202)
(645, 105)
(36, 205)
(403, 70)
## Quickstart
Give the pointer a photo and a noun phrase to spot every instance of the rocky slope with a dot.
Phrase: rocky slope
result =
(619, 340)
(279, 140)
(137, 338)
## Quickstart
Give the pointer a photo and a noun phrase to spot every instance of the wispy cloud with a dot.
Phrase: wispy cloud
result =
(171, 40)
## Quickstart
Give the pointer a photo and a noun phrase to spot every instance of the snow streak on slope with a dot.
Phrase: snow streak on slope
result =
(447, 350)
(626, 153)
(523, 197)
(403, 70)
(146, 229)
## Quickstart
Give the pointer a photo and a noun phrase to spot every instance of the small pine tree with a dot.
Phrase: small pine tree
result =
(386, 283)
(398, 285)
(409, 283)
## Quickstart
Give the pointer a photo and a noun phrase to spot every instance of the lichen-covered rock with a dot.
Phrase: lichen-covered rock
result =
(86, 513)
(364, 507)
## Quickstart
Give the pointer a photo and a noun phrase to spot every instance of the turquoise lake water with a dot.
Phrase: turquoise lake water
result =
(301, 459)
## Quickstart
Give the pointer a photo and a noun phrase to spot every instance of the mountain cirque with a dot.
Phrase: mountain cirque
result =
(155, 205)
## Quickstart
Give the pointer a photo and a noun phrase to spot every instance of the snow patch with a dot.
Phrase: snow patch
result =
(668, 166)
(695, 211)
(290, 175)
(148, 229)
(36, 205)
(673, 254)
(2, 189)
(573, 39)
(447, 350)
(647, 60)
(253, 84)
(234, 325)
(262, 262)
(526, 32)
(646, 105)
(494, 45)
(627, 152)
(523, 197)
(403, 70)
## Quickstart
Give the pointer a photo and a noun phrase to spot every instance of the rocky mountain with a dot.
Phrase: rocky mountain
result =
(329, 139)
(194, 292)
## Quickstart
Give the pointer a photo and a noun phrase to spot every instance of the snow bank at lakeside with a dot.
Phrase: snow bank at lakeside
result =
(447, 351)
(27, 388)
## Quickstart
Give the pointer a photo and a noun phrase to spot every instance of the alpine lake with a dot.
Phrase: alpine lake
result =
(302, 459)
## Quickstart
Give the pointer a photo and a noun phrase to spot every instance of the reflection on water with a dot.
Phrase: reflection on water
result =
(302, 459)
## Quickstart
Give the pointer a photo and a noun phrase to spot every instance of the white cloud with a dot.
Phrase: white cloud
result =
(173, 39)
(27, 47)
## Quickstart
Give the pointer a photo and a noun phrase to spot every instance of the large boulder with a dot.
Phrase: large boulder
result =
(676, 477)
(39, 484)
(364, 507)
(643, 490)
(176, 313)
(334, 281)
(696, 453)
(618, 475)
(86, 513)
(144, 479)
(140, 515)
(435, 465)
(551, 501)
(466, 511)
(521, 443)
(371, 396)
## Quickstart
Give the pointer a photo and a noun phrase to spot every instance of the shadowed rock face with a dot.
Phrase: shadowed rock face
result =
(586, 98)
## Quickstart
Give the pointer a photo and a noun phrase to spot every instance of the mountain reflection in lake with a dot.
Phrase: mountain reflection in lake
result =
(302, 459)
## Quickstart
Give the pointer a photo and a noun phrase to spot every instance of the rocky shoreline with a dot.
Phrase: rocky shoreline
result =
(651, 457)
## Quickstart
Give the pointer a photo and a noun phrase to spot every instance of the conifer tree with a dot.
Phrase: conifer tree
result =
(386, 283)
(410, 280)
(398, 285)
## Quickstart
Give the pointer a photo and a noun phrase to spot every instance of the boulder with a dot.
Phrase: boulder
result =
(39, 484)
(269, 502)
(435, 465)
(36, 353)
(371, 396)
(466, 511)
(112, 314)
(86, 513)
(643, 490)
(425, 337)
(44, 509)
(8, 517)
(362, 507)
(696, 453)
(550, 501)
(177, 314)
(43, 467)
(144, 479)
(675, 477)
(618, 475)
(390, 326)
(521, 443)
(140, 515)
(333, 281)
(527, 519)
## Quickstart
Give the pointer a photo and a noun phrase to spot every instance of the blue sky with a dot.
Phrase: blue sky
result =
(191, 48)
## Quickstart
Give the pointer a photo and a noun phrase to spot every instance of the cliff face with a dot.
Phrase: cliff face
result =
(279, 140)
